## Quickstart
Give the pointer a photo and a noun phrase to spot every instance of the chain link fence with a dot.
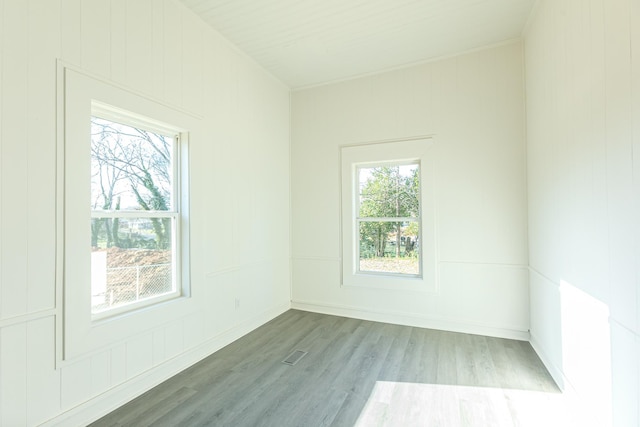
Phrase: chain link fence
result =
(129, 284)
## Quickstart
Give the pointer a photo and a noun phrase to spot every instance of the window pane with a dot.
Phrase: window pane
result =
(389, 191)
(389, 247)
(131, 260)
(131, 169)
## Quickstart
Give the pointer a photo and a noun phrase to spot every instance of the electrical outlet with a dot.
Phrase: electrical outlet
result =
(237, 303)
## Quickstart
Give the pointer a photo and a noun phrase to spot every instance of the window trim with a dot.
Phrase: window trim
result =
(380, 153)
(77, 333)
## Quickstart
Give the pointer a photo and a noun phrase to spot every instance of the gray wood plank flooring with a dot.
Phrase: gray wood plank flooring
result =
(355, 373)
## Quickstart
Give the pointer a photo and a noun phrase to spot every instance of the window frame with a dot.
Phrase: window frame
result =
(358, 219)
(120, 116)
(77, 332)
(409, 151)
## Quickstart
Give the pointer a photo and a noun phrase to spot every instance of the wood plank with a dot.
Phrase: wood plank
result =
(192, 62)
(172, 70)
(14, 169)
(118, 42)
(100, 372)
(44, 44)
(96, 39)
(619, 157)
(2, 38)
(13, 371)
(71, 31)
(139, 354)
(158, 49)
(355, 373)
(139, 42)
(118, 365)
(75, 382)
(43, 379)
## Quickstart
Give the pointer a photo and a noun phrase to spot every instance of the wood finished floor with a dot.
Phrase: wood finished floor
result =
(356, 373)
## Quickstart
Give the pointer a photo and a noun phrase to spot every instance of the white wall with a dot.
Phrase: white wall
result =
(474, 107)
(239, 196)
(583, 120)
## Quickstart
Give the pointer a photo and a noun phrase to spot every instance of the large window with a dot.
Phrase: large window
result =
(388, 218)
(134, 213)
(388, 215)
(123, 214)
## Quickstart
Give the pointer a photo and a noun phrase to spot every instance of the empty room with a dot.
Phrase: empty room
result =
(320, 213)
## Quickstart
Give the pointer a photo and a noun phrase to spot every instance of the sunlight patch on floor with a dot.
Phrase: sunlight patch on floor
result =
(410, 404)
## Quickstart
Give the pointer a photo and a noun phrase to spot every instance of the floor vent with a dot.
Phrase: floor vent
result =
(294, 357)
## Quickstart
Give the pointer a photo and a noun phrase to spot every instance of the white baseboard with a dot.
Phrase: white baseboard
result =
(112, 399)
(412, 320)
(554, 370)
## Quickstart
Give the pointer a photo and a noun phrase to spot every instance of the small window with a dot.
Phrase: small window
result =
(388, 219)
(388, 215)
(135, 213)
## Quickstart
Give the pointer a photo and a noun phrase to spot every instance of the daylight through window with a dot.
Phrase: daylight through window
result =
(388, 219)
(134, 215)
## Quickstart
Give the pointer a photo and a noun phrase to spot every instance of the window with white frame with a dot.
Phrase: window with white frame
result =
(388, 215)
(123, 213)
(135, 213)
(388, 218)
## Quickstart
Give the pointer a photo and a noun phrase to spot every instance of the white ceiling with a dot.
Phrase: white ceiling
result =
(310, 42)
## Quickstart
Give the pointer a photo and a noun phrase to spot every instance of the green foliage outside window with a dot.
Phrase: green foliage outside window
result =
(388, 192)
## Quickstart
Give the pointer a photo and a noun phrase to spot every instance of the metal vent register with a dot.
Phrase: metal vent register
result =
(294, 357)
